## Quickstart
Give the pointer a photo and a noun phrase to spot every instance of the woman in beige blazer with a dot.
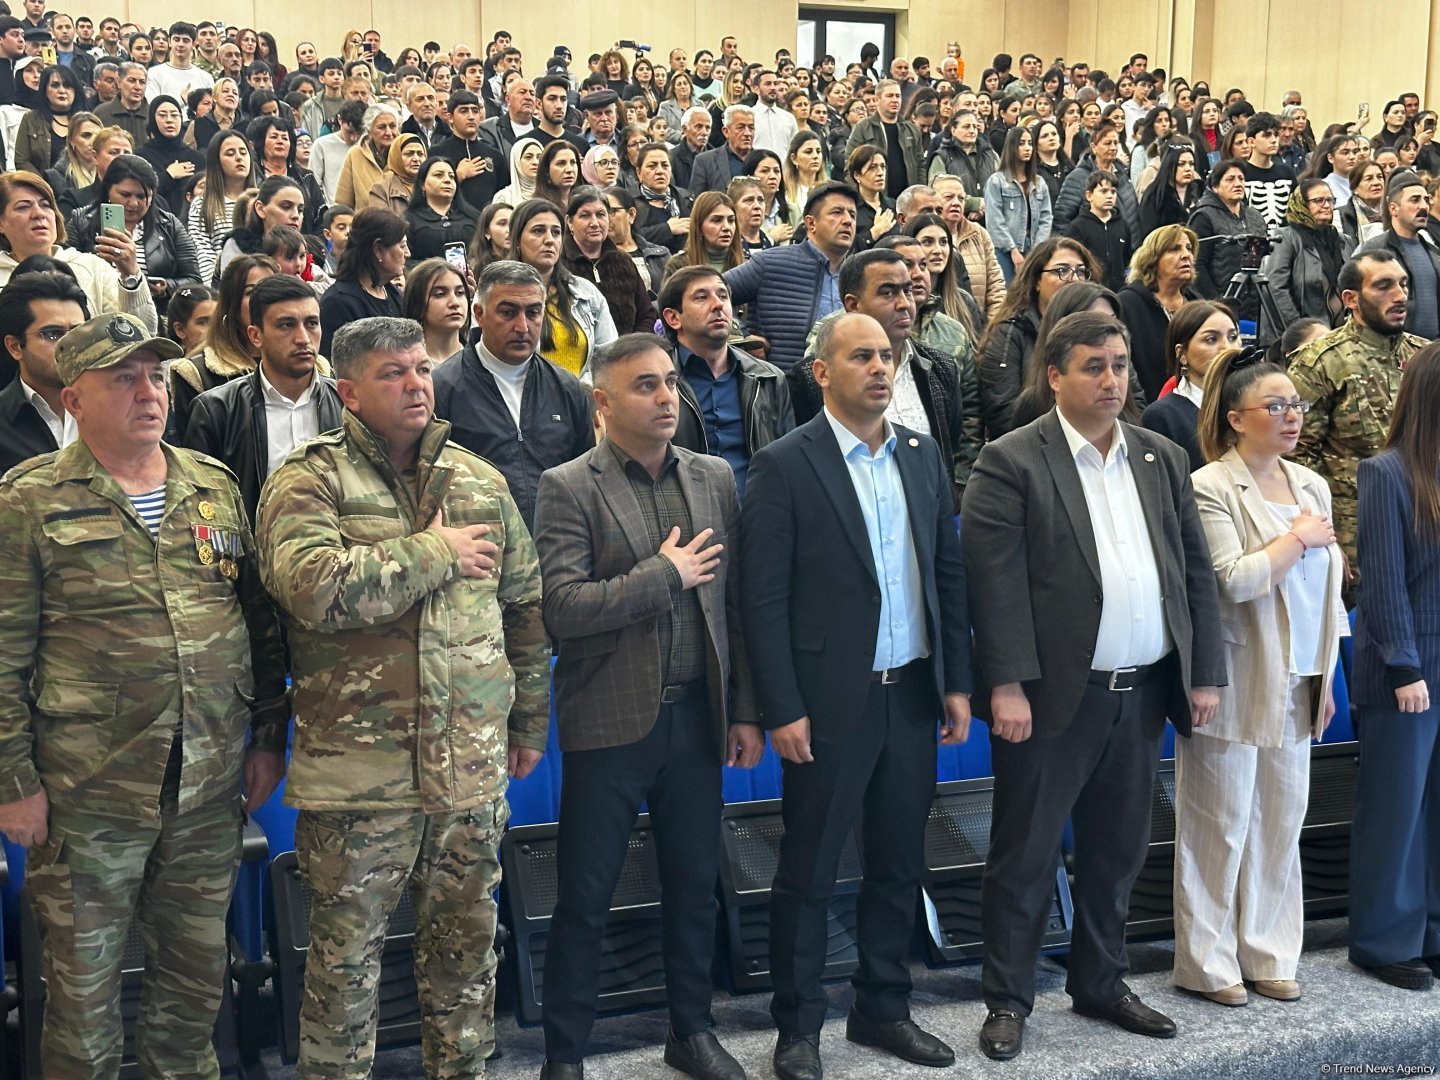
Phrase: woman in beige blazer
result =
(1243, 780)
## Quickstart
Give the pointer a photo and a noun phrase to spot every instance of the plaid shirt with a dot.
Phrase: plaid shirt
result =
(662, 504)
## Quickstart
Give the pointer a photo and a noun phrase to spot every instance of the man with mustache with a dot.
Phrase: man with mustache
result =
(1369, 350)
(638, 540)
(854, 601)
(252, 423)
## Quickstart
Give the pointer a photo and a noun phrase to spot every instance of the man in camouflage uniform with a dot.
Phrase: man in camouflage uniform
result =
(421, 674)
(1350, 377)
(136, 647)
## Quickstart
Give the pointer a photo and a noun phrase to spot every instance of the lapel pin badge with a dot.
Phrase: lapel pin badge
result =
(914, 442)
(1149, 457)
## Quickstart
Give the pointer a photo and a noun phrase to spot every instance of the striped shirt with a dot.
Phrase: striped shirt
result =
(151, 508)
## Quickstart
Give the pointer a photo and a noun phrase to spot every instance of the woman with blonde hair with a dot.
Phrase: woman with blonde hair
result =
(352, 46)
(1162, 273)
(1243, 780)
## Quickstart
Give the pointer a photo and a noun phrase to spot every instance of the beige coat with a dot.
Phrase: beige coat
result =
(1254, 615)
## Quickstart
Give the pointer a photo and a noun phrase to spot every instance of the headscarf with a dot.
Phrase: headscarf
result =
(173, 145)
(396, 161)
(587, 167)
(519, 189)
(1323, 239)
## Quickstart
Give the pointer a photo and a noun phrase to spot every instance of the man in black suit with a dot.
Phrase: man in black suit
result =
(36, 310)
(1096, 617)
(854, 606)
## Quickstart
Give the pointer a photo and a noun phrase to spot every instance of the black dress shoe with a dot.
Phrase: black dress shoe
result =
(1002, 1036)
(702, 1057)
(903, 1038)
(1131, 1014)
(797, 1057)
(1407, 974)
(562, 1070)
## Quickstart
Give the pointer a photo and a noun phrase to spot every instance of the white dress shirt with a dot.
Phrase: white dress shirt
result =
(62, 427)
(1133, 631)
(906, 407)
(774, 128)
(287, 423)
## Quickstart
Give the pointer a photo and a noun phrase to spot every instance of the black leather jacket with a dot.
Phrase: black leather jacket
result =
(169, 251)
(764, 405)
(228, 423)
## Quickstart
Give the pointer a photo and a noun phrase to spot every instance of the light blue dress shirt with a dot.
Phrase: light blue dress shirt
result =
(902, 636)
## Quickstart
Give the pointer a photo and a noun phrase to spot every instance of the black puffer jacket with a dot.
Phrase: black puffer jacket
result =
(1216, 262)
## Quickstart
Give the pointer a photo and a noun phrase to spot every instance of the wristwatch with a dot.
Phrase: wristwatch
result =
(131, 282)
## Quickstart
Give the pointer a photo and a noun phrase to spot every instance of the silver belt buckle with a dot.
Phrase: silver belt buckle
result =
(1121, 671)
(669, 695)
(890, 676)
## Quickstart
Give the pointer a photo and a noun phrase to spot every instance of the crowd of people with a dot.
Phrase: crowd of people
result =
(397, 377)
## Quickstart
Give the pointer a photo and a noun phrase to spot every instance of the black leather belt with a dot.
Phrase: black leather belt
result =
(1122, 680)
(676, 692)
(891, 676)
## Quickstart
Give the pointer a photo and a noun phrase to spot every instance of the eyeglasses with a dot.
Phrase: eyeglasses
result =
(1324, 200)
(1279, 408)
(1069, 273)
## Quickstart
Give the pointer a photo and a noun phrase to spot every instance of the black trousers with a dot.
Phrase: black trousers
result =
(676, 768)
(882, 771)
(1100, 772)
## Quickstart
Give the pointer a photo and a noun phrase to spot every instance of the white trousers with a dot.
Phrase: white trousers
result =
(1239, 911)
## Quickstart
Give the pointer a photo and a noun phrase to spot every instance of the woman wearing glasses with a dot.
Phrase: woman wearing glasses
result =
(1305, 265)
(1243, 780)
(1009, 344)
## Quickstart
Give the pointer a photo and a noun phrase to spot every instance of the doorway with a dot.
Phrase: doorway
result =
(840, 33)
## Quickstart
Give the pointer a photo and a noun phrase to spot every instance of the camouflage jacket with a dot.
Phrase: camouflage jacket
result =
(411, 680)
(109, 639)
(1350, 376)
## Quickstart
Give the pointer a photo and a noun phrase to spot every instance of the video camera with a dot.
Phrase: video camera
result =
(1253, 248)
(635, 45)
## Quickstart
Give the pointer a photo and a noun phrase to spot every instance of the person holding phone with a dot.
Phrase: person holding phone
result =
(124, 206)
(437, 215)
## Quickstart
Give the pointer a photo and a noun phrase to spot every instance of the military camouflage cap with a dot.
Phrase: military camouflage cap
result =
(105, 341)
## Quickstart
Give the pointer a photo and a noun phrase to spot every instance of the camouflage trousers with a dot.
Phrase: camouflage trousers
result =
(356, 866)
(172, 878)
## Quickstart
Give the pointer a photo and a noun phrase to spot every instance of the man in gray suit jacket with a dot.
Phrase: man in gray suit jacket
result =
(1096, 616)
(714, 169)
(636, 540)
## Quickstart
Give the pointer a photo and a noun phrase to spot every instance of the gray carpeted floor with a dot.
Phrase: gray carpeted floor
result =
(1346, 1018)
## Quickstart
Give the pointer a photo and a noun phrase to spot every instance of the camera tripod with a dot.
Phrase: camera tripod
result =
(1247, 280)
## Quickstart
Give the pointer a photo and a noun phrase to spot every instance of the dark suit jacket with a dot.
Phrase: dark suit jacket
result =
(1397, 621)
(22, 433)
(711, 171)
(1035, 569)
(811, 600)
(605, 585)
